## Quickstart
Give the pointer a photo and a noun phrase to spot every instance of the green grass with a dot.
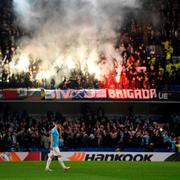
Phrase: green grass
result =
(91, 171)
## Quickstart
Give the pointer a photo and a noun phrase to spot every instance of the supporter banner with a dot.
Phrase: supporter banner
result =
(137, 94)
(108, 156)
(75, 94)
(132, 94)
(23, 93)
(50, 94)
(10, 94)
(70, 94)
(20, 156)
(116, 94)
(35, 94)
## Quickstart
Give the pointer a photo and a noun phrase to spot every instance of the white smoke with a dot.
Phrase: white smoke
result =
(71, 33)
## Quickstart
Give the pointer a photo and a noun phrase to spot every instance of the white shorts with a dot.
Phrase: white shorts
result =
(55, 152)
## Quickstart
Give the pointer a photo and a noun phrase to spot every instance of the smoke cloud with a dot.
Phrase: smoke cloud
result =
(67, 34)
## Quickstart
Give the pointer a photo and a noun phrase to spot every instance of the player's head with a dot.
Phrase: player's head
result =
(57, 124)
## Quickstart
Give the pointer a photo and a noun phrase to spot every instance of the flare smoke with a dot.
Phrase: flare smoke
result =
(71, 33)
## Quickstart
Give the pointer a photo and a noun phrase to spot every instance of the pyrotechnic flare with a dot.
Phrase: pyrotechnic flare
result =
(71, 34)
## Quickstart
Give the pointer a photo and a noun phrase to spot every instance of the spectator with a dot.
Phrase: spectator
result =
(142, 43)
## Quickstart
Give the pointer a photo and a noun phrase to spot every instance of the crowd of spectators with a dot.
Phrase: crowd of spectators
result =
(20, 131)
(149, 48)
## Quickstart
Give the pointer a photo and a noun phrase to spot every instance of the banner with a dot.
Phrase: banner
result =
(35, 94)
(132, 94)
(97, 94)
(20, 156)
(75, 94)
(21, 94)
(116, 94)
(120, 156)
(92, 156)
(10, 94)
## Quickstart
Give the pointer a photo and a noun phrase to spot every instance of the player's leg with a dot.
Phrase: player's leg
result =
(61, 162)
(50, 157)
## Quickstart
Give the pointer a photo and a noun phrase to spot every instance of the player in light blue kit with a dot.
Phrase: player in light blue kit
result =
(54, 147)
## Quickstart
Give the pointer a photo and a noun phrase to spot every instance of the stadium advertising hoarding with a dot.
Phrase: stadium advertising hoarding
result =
(119, 156)
(70, 94)
(20, 156)
(91, 156)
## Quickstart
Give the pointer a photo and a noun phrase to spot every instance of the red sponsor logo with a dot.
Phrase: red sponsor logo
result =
(77, 156)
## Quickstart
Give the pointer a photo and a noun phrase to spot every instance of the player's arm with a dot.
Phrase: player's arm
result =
(51, 142)
(60, 133)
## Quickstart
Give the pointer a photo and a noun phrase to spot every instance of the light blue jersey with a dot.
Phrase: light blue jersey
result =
(55, 137)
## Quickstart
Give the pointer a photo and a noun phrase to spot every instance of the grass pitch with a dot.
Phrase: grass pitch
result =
(91, 171)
